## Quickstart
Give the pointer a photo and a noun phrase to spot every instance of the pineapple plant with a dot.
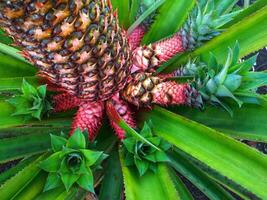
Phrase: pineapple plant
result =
(126, 59)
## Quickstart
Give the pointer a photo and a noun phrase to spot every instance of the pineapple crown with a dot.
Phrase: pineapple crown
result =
(217, 83)
(205, 21)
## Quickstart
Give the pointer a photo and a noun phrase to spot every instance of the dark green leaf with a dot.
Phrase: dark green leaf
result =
(91, 156)
(69, 179)
(141, 165)
(171, 15)
(57, 142)
(18, 147)
(53, 180)
(112, 184)
(146, 131)
(129, 143)
(52, 163)
(198, 177)
(150, 185)
(219, 152)
(77, 140)
(86, 181)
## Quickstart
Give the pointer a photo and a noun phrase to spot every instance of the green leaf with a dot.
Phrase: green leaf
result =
(216, 150)
(91, 156)
(158, 156)
(15, 169)
(52, 163)
(220, 78)
(51, 194)
(171, 15)
(53, 180)
(141, 165)
(148, 12)
(201, 180)
(27, 89)
(33, 189)
(129, 143)
(77, 140)
(12, 52)
(17, 183)
(112, 184)
(146, 131)
(150, 185)
(129, 159)
(86, 181)
(57, 142)
(247, 123)
(16, 68)
(123, 12)
(134, 10)
(69, 179)
(14, 84)
(18, 147)
(42, 90)
(259, 4)
(4, 39)
(180, 186)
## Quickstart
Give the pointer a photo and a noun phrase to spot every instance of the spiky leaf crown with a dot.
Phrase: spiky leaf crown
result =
(233, 79)
(32, 103)
(144, 156)
(71, 163)
(204, 22)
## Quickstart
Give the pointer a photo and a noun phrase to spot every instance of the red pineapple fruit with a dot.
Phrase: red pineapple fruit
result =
(79, 48)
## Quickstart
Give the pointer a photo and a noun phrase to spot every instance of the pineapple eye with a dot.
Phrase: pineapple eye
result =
(92, 11)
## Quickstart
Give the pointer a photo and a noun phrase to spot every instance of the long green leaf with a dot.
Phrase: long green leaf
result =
(148, 12)
(10, 67)
(6, 49)
(209, 187)
(180, 186)
(220, 152)
(14, 170)
(112, 184)
(17, 183)
(171, 15)
(14, 83)
(51, 194)
(123, 8)
(215, 176)
(251, 34)
(246, 12)
(34, 188)
(249, 122)
(4, 39)
(18, 147)
(151, 186)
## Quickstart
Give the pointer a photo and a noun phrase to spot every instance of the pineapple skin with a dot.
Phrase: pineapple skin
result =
(76, 44)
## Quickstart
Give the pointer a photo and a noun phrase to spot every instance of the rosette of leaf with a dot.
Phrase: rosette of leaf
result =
(232, 80)
(143, 155)
(71, 163)
(205, 20)
(32, 103)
